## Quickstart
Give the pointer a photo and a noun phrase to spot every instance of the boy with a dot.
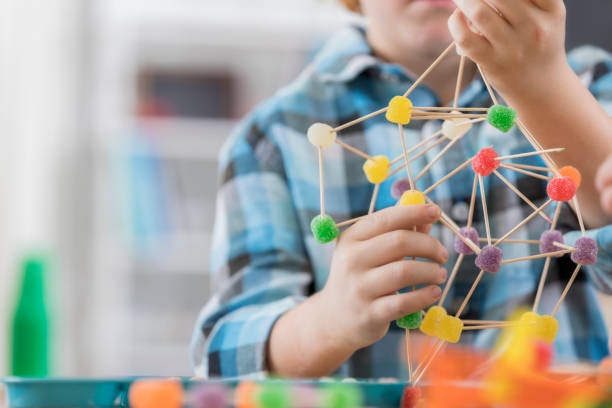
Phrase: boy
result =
(281, 308)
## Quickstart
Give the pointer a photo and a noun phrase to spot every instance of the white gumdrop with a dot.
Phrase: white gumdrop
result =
(453, 128)
(321, 135)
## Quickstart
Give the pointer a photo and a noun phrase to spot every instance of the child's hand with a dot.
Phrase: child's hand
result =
(368, 267)
(521, 48)
(603, 182)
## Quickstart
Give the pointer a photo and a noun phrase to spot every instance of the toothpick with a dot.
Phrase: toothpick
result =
(472, 202)
(409, 355)
(538, 297)
(481, 322)
(491, 326)
(448, 176)
(513, 241)
(538, 256)
(579, 215)
(564, 246)
(451, 279)
(349, 222)
(449, 108)
(459, 81)
(352, 149)
(361, 119)
(321, 182)
(537, 146)
(483, 198)
(458, 235)
(529, 167)
(434, 355)
(374, 197)
(470, 293)
(515, 156)
(525, 172)
(422, 153)
(443, 151)
(518, 193)
(443, 115)
(484, 79)
(567, 288)
(428, 70)
(522, 223)
(417, 146)
(405, 150)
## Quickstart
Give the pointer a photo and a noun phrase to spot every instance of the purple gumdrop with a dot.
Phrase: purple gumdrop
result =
(490, 259)
(546, 242)
(470, 234)
(586, 251)
(209, 396)
(398, 188)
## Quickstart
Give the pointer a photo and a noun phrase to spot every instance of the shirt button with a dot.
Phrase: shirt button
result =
(460, 211)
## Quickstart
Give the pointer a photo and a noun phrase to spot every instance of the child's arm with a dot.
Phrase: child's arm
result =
(359, 299)
(604, 185)
(523, 55)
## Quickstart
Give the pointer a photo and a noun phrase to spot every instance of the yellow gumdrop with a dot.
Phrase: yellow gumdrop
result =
(432, 320)
(400, 110)
(450, 329)
(321, 135)
(412, 197)
(377, 169)
(547, 327)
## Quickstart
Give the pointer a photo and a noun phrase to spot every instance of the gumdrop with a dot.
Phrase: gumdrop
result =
(411, 321)
(245, 395)
(547, 240)
(411, 397)
(470, 234)
(501, 117)
(432, 320)
(490, 259)
(341, 396)
(412, 197)
(561, 189)
(400, 110)
(450, 329)
(156, 394)
(210, 396)
(324, 229)
(398, 188)
(586, 251)
(484, 162)
(543, 327)
(573, 173)
(321, 135)
(376, 169)
(274, 396)
(454, 128)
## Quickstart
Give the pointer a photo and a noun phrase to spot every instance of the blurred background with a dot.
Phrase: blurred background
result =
(112, 113)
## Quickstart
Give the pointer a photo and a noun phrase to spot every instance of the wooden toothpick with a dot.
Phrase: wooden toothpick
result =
(417, 146)
(513, 241)
(518, 193)
(539, 152)
(538, 256)
(428, 70)
(529, 167)
(525, 172)
(374, 197)
(486, 82)
(352, 149)
(470, 293)
(459, 81)
(349, 222)
(427, 363)
(579, 215)
(406, 159)
(409, 355)
(361, 119)
(467, 242)
(537, 146)
(451, 279)
(449, 108)
(472, 202)
(321, 182)
(522, 223)
(564, 246)
(483, 198)
(566, 290)
(448, 176)
(415, 157)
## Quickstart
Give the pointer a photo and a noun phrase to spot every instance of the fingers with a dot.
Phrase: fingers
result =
(485, 19)
(472, 45)
(392, 277)
(511, 13)
(394, 306)
(397, 245)
(401, 217)
(550, 5)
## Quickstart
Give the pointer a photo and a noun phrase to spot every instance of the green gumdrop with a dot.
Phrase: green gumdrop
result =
(274, 396)
(324, 229)
(501, 117)
(411, 321)
(341, 396)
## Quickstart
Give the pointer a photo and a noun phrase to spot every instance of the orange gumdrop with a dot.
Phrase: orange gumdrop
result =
(573, 173)
(244, 396)
(156, 394)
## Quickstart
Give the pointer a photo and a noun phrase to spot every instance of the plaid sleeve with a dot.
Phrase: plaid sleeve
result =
(259, 264)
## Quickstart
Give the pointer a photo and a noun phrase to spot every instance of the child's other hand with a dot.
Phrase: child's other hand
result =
(603, 182)
(368, 267)
(522, 50)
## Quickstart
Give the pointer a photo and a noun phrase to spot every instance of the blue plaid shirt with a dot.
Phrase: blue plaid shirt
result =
(265, 260)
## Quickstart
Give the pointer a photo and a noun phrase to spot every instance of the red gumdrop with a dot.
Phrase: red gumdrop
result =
(484, 162)
(543, 356)
(411, 397)
(561, 189)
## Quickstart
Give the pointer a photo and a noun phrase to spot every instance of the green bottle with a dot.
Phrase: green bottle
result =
(30, 345)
